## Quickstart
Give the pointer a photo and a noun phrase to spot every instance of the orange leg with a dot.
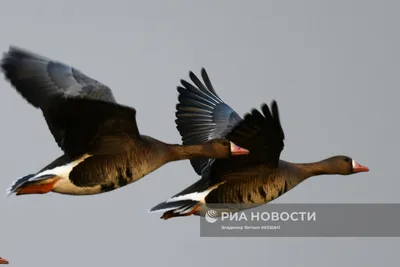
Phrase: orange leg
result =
(41, 187)
(169, 214)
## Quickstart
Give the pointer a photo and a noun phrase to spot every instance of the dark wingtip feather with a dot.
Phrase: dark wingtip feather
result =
(275, 110)
(207, 81)
(261, 133)
(183, 82)
(205, 76)
(275, 114)
(18, 53)
(180, 89)
(266, 111)
(192, 76)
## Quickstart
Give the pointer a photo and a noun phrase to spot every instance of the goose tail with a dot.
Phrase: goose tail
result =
(45, 180)
(177, 208)
(33, 184)
(188, 202)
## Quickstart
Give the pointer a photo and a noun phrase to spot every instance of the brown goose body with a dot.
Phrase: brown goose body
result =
(260, 183)
(257, 184)
(3, 261)
(103, 149)
(94, 174)
(103, 173)
(241, 182)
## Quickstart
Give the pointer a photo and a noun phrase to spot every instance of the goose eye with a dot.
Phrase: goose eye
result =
(347, 159)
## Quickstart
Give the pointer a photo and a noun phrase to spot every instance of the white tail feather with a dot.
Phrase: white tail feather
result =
(196, 196)
(59, 171)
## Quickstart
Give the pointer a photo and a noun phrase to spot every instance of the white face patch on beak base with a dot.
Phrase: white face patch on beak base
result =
(237, 150)
(357, 167)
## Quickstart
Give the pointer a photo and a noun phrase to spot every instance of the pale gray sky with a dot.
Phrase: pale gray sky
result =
(331, 65)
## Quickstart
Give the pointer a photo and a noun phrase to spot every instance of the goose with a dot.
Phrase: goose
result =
(3, 261)
(238, 183)
(103, 149)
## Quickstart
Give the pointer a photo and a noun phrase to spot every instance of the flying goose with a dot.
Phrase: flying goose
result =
(103, 149)
(244, 182)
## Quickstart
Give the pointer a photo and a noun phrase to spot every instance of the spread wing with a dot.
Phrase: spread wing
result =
(261, 134)
(39, 79)
(201, 116)
(93, 126)
(237, 179)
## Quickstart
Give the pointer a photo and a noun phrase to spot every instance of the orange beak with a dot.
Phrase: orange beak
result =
(357, 167)
(237, 150)
(3, 261)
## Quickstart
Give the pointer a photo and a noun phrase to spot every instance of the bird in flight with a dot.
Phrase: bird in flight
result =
(238, 183)
(103, 148)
